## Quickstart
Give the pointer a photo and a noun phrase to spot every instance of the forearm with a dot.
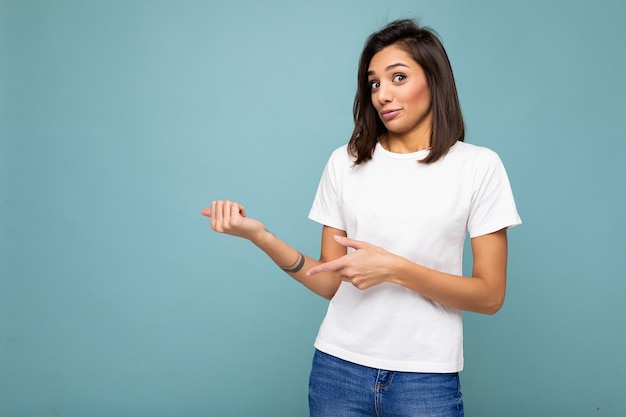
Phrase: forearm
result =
(290, 261)
(463, 293)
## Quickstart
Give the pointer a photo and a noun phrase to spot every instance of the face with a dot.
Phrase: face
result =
(400, 92)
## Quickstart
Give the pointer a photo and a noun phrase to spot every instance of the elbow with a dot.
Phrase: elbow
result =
(493, 305)
(491, 310)
(330, 293)
(326, 291)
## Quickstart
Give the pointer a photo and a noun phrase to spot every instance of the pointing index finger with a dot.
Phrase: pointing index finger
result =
(330, 266)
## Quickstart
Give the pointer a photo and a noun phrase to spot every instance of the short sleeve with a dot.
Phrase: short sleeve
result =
(326, 208)
(493, 206)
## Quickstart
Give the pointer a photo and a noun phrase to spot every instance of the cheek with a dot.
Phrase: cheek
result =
(421, 95)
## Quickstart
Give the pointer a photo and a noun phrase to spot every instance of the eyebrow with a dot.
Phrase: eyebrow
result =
(390, 67)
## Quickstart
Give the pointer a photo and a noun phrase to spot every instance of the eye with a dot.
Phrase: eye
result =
(399, 78)
(374, 84)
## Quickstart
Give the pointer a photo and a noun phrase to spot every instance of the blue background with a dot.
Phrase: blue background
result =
(121, 120)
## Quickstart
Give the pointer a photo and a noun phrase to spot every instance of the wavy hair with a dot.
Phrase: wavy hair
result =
(427, 50)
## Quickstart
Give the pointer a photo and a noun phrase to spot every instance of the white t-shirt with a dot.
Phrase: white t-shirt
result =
(422, 212)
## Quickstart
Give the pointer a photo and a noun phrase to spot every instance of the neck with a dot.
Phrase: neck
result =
(405, 143)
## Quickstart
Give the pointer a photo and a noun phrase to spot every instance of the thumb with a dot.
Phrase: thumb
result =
(206, 212)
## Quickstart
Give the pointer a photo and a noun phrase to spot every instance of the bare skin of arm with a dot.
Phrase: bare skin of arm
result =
(230, 218)
(370, 265)
(484, 292)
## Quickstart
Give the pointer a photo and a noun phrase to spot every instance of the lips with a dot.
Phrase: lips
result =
(389, 114)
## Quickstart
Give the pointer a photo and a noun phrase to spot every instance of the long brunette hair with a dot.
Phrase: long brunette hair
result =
(426, 49)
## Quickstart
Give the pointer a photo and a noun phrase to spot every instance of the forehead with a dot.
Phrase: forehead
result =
(391, 55)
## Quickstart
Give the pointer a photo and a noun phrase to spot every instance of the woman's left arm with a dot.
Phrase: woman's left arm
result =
(483, 292)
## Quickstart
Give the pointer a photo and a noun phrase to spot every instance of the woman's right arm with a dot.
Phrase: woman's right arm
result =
(230, 218)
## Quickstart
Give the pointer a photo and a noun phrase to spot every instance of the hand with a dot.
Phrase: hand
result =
(367, 266)
(230, 218)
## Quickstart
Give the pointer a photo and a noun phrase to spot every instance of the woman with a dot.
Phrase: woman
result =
(396, 203)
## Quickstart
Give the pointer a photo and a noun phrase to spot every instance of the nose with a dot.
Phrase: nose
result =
(384, 94)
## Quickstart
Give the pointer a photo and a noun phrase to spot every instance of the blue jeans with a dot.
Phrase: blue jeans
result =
(338, 388)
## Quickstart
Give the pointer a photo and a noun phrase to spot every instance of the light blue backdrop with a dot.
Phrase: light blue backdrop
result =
(121, 120)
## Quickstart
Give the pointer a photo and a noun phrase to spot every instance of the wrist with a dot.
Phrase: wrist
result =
(399, 270)
(262, 237)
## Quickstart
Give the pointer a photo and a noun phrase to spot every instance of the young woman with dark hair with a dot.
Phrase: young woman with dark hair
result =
(396, 203)
(427, 51)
